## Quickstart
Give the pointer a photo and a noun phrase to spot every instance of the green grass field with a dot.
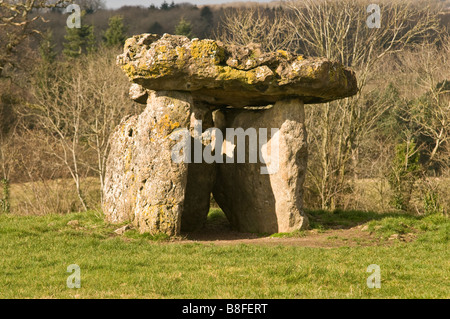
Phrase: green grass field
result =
(36, 251)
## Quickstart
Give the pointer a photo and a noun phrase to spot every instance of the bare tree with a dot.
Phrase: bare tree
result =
(254, 25)
(17, 19)
(109, 100)
(429, 67)
(338, 31)
(77, 107)
(60, 111)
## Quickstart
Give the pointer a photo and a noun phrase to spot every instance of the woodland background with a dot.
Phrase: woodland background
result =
(387, 148)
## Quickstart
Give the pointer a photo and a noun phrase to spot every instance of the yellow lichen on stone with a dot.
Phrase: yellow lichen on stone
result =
(310, 71)
(206, 50)
(129, 42)
(227, 73)
(161, 49)
(284, 54)
(165, 124)
(159, 218)
(181, 57)
(129, 69)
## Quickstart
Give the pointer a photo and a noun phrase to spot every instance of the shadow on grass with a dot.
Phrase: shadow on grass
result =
(217, 227)
(346, 219)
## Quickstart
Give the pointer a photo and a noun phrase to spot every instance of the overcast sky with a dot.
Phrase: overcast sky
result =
(114, 4)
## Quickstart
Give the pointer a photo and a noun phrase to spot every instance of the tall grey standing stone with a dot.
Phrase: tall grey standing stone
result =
(119, 190)
(161, 182)
(143, 183)
(266, 203)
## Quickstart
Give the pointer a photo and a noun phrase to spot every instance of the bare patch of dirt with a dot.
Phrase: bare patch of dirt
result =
(222, 234)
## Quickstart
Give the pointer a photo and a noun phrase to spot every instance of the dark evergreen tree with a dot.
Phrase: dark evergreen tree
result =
(73, 43)
(207, 15)
(164, 5)
(156, 28)
(115, 34)
(79, 41)
(47, 48)
(184, 28)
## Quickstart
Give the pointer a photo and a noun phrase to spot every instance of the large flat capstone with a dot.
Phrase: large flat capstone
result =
(225, 75)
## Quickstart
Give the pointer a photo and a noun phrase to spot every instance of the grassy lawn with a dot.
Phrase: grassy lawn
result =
(36, 251)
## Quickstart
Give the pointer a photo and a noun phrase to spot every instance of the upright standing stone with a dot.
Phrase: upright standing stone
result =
(161, 182)
(253, 200)
(119, 192)
(143, 183)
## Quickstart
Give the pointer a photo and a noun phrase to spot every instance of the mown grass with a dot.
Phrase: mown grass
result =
(321, 219)
(36, 250)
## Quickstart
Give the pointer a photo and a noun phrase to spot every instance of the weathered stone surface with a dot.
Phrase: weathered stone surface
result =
(143, 184)
(138, 93)
(232, 76)
(161, 183)
(266, 203)
(119, 192)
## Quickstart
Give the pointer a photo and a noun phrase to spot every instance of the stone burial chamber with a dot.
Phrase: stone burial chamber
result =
(241, 106)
